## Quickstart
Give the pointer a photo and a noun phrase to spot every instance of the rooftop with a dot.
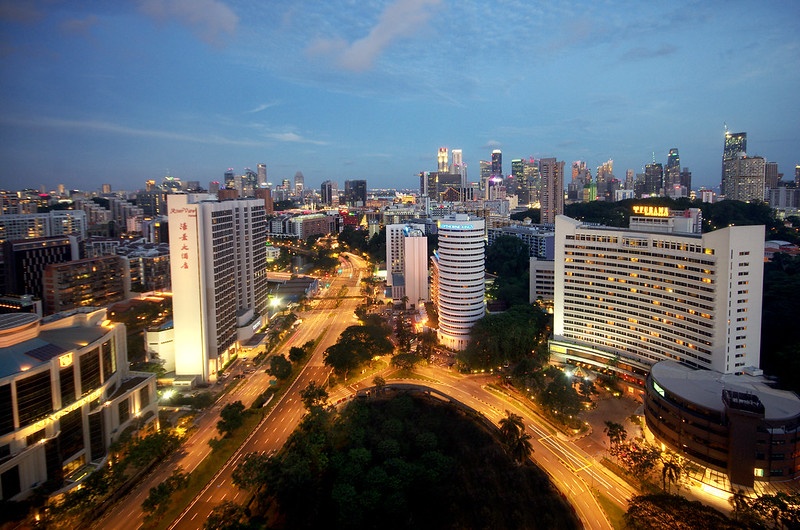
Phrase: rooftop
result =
(705, 387)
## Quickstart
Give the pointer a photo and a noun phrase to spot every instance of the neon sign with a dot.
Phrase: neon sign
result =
(651, 211)
(65, 360)
(66, 410)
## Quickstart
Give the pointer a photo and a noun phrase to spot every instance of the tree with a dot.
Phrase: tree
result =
(251, 472)
(154, 446)
(202, 400)
(427, 343)
(314, 396)
(232, 417)
(279, 367)
(640, 460)
(296, 354)
(781, 508)
(511, 426)
(670, 472)
(342, 358)
(159, 496)
(405, 361)
(616, 435)
(379, 383)
(560, 396)
(404, 333)
(226, 516)
(515, 439)
(356, 345)
(586, 389)
(520, 449)
(661, 510)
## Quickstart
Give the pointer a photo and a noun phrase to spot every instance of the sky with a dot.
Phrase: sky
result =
(95, 92)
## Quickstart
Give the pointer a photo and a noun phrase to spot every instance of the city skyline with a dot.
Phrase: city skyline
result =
(123, 93)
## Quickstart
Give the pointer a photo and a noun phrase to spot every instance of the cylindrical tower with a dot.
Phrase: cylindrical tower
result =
(459, 277)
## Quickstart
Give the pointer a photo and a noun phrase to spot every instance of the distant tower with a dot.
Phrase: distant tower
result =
(497, 163)
(771, 175)
(486, 173)
(298, 183)
(355, 193)
(230, 179)
(328, 191)
(552, 194)
(459, 167)
(443, 163)
(672, 174)
(106, 188)
(262, 175)
(735, 147)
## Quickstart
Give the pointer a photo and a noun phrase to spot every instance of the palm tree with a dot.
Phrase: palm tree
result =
(740, 503)
(670, 472)
(616, 434)
(521, 449)
(511, 426)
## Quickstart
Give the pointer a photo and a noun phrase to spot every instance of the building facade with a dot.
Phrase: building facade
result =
(626, 299)
(97, 282)
(67, 394)
(458, 277)
(551, 173)
(407, 263)
(218, 268)
(355, 193)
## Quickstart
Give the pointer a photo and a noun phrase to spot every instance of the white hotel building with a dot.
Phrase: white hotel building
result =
(407, 263)
(626, 299)
(458, 287)
(219, 281)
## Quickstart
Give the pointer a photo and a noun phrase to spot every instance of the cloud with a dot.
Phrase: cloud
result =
(263, 106)
(77, 26)
(209, 20)
(24, 11)
(294, 138)
(103, 126)
(400, 19)
(641, 53)
(492, 144)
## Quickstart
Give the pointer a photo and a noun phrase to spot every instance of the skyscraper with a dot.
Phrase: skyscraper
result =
(355, 193)
(444, 165)
(230, 179)
(653, 179)
(497, 163)
(459, 167)
(458, 278)
(262, 175)
(735, 147)
(486, 173)
(299, 182)
(745, 178)
(328, 191)
(218, 268)
(672, 173)
(771, 175)
(518, 174)
(552, 194)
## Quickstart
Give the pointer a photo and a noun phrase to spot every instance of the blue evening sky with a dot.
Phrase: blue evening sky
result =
(124, 91)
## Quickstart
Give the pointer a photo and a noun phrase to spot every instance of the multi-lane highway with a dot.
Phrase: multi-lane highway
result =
(330, 317)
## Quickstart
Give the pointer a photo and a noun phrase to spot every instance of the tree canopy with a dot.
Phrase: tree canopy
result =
(355, 346)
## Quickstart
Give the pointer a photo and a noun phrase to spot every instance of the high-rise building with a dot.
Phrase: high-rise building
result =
(262, 175)
(328, 191)
(153, 203)
(299, 182)
(497, 163)
(218, 268)
(797, 175)
(458, 278)
(355, 193)
(230, 179)
(106, 188)
(745, 178)
(459, 167)
(771, 175)
(444, 165)
(672, 173)
(530, 170)
(249, 182)
(626, 299)
(735, 147)
(653, 179)
(25, 260)
(407, 262)
(686, 179)
(518, 175)
(552, 195)
(265, 194)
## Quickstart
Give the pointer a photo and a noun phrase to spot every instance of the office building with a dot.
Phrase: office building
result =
(443, 159)
(53, 223)
(485, 173)
(25, 260)
(153, 203)
(265, 194)
(407, 263)
(736, 425)
(218, 269)
(552, 192)
(539, 238)
(67, 394)
(542, 282)
(261, 178)
(91, 282)
(745, 178)
(458, 268)
(653, 180)
(497, 163)
(355, 193)
(459, 167)
(771, 175)
(299, 184)
(735, 147)
(628, 298)
(329, 193)
(672, 173)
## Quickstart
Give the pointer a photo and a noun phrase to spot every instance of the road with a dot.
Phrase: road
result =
(270, 434)
(572, 470)
(331, 315)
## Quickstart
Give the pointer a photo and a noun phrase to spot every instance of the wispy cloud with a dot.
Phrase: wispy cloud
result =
(77, 26)
(294, 138)
(400, 19)
(263, 106)
(24, 11)
(492, 144)
(209, 20)
(104, 126)
(641, 53)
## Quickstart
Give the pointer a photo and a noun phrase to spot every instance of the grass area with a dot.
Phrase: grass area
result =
(203, 473)
(375, 367)
(616, 515)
